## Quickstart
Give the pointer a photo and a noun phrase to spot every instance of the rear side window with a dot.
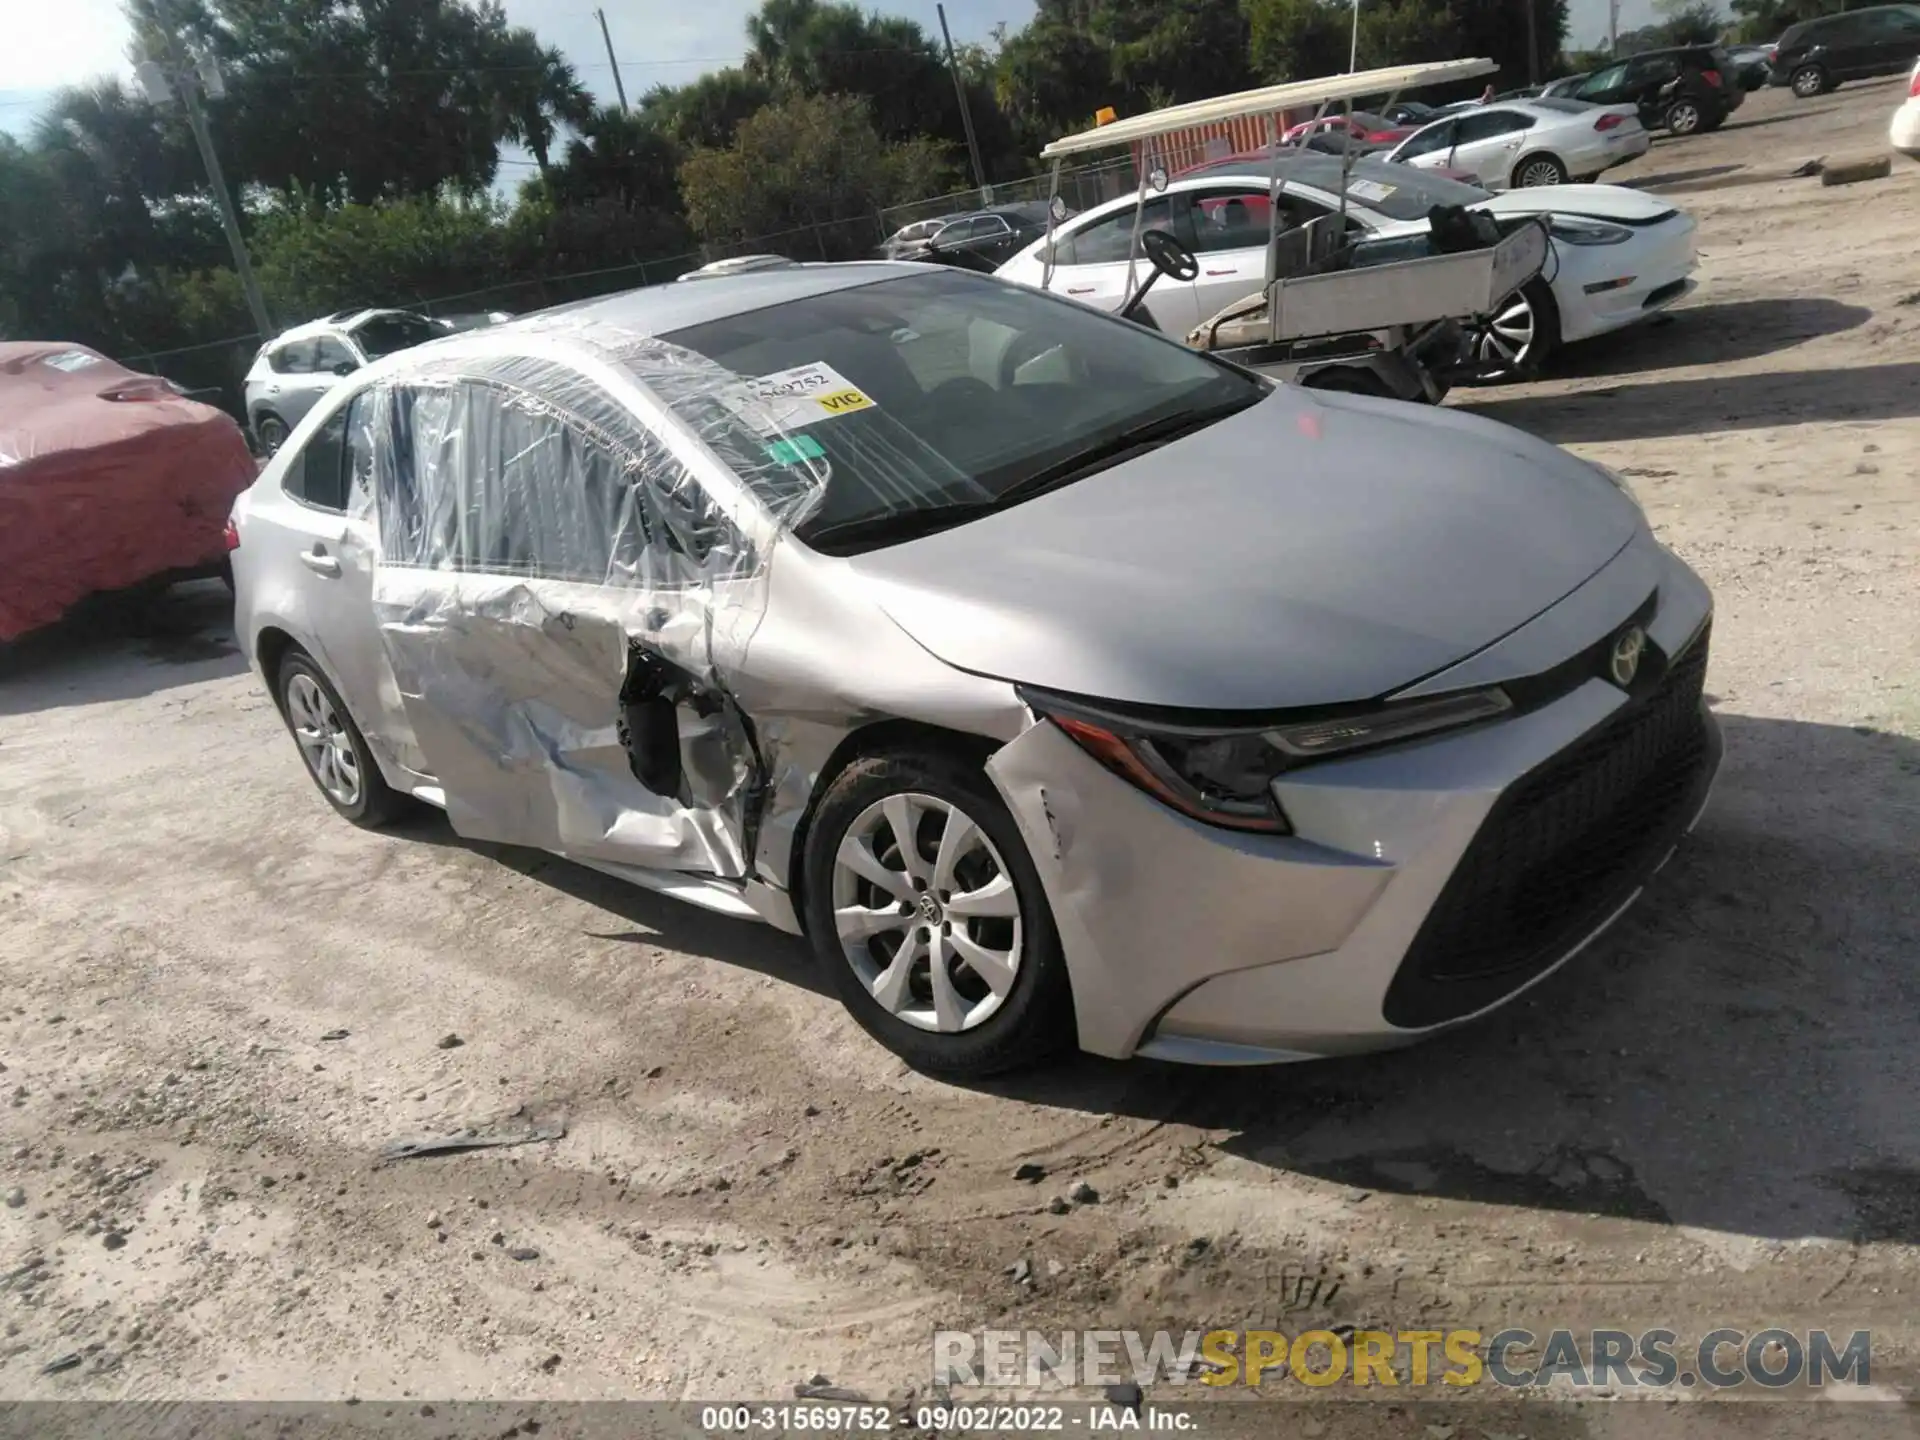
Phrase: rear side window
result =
(1428, 141)
(1486, 124)
(293, 358)
(317, 476)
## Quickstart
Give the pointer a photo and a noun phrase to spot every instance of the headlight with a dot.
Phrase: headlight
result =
(1225, 777)
(1577, 231)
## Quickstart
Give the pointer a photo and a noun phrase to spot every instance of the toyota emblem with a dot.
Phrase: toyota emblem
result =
(1624, 662)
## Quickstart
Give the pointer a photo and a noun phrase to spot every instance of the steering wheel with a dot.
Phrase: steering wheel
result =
(1169, 256)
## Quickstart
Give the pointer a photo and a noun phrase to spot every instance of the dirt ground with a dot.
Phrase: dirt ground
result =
(1707, 1120)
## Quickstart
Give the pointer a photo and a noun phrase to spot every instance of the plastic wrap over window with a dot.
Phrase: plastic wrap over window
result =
(571, 555)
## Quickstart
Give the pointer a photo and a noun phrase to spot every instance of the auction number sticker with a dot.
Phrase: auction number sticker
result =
(793, 399)
(1370, 190)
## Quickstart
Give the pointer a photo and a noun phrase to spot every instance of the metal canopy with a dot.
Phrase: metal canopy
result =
(1267, 101)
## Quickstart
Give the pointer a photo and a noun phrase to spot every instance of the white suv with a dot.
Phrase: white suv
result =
(295, 369)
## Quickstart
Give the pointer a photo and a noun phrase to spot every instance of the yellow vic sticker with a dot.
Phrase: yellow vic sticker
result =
(841, 401)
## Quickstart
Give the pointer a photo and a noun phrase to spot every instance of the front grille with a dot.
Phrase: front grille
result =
(1562, 849)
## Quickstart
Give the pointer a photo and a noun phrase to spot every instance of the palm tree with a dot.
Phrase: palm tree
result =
(538, 93)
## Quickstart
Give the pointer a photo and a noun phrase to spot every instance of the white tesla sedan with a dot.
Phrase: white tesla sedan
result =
(1618, 255)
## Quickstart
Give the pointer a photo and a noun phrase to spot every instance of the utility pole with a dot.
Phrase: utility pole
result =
(966, 114)
(229, 220)
(1613, 28)
(177, 75)
(1353, 55)
(619, 88)
(1533, 43)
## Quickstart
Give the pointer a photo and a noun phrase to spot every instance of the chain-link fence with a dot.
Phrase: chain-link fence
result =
(215, 370)
(1081, 187)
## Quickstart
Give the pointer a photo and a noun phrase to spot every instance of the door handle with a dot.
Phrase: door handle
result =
(1081, 289)
(321, 563)
(1234, 271)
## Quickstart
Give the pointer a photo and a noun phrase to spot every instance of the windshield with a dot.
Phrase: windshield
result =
(384, 334)
(923, 399)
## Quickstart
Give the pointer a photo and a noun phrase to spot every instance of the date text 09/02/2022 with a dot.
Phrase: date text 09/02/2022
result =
(986, 1419)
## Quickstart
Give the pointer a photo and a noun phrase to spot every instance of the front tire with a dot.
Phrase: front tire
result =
(1515, 344)
(1809, 81)
(1538, 170)
(332, 746)
(923, 903)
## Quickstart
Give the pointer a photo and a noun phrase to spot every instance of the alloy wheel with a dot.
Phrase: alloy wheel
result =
(1506, 342)
(927, 913)
(1807, 82)
(1539, 172)
(273, 434)
(1684, 118)
(324, 742)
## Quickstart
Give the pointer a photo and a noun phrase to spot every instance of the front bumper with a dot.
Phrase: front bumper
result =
(1657, 266)
(1413, 895)
(1904, 131)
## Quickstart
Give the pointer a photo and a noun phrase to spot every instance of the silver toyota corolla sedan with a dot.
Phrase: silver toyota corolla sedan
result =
(1058, 683)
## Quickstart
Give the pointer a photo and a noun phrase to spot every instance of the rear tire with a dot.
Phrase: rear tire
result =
(272, 433)
(1684, 117)
(336, 755)
(958, 893)
(1538, 170)
(1809, 81)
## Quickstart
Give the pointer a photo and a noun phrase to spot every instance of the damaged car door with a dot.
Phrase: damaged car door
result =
(559, 595)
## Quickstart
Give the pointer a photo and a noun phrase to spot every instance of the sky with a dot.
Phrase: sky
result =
(658, 41)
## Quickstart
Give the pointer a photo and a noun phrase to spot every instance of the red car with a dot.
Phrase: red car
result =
(1364, 124)
(107, 478)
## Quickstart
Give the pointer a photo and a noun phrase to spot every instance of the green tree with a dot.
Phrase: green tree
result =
(807, 177)
(355, 100)
(1299, 39)
(707, 112)
(537, 93)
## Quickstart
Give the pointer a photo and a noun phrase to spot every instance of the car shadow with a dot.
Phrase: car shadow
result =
(1677, 177)
(1797, 113)
(1652, 408)
(637, 916)
(1734, 1055)
(1714, 333)
(117, 647)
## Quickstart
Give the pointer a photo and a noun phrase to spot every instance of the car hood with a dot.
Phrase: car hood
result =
(1315, 549)
(1598, 202)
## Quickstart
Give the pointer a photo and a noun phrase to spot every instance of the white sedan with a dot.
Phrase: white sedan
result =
(1904, 132)
(1618, 255)
(1516, 144)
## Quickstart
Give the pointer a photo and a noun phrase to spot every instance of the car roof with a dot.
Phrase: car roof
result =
(662, 309)
(1547, 107)
(341, 322)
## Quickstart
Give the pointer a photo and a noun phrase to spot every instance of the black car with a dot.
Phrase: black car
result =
(985, 239)
(1686, 89)
(1816, 55)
